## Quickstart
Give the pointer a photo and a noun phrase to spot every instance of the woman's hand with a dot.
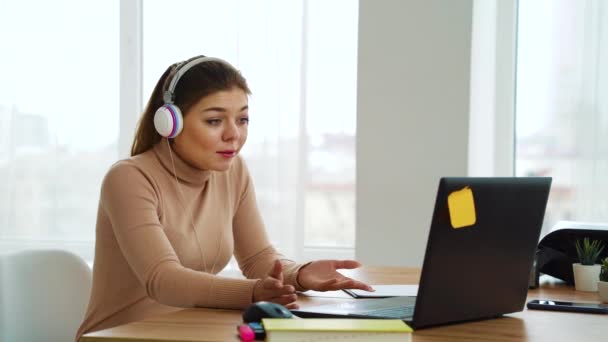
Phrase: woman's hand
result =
(323, 275)
(272, 289)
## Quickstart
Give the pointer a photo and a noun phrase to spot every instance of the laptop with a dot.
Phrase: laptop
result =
(478, 258)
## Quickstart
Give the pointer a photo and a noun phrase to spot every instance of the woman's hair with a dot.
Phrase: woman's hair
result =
(199, 81)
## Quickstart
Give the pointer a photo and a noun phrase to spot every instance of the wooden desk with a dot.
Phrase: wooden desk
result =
(528, 325)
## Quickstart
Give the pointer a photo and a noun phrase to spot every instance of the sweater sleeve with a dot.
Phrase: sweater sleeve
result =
(130, 202)
(252, 249)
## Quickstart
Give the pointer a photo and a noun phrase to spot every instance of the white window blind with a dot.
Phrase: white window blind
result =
(562, 113)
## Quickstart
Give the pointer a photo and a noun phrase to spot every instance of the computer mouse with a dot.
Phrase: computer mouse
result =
(256, 311)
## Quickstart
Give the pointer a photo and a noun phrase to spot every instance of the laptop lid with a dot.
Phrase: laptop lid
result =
(481, 270)
(479, 253)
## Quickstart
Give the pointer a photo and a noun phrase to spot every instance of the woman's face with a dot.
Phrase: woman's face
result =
(215, 130)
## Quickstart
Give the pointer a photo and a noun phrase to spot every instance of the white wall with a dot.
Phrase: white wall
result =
(412, 120)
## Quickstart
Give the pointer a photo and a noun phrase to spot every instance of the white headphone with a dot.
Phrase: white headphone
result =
(169, 122)
(168, 119)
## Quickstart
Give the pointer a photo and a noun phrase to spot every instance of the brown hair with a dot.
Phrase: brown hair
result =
(199, 81)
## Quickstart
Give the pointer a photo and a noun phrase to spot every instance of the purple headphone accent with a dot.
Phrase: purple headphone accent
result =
(174, 117)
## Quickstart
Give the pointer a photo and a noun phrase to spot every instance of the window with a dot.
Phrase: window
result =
(299, 58)
(562, 115)
(330, 121)
(58, 119)
(63, 121)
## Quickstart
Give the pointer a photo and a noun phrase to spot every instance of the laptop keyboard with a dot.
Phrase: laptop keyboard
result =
(392, 307)
(394, 312)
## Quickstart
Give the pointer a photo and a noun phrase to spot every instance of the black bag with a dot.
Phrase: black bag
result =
(556, 253)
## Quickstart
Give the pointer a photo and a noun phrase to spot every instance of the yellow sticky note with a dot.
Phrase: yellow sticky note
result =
(462, 208)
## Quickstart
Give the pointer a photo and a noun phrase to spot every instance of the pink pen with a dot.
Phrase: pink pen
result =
(246, 333)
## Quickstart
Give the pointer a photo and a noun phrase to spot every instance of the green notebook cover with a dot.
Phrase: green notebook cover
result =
(335, 324)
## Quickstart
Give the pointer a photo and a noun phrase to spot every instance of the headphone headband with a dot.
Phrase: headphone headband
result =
(168, 119)
(169, 95)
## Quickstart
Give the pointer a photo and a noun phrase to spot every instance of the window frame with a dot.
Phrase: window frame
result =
(493, 89)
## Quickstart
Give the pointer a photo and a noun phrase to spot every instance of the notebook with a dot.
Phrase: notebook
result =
(478, 257)
(337, 329)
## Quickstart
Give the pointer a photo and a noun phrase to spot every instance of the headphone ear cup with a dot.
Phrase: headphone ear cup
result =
(168, 121)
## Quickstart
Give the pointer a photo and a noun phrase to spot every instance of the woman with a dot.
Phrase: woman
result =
(171, 216)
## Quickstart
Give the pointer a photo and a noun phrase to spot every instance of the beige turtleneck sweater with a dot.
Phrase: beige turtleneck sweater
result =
(148, 257)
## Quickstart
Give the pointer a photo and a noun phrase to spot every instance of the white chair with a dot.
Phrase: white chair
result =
(43, 295)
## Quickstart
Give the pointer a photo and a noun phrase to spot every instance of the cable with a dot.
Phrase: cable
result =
(181, 193)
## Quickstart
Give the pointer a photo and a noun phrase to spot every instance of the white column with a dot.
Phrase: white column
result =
(412, 120)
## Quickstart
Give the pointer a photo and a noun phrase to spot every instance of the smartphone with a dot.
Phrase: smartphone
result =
(556, 305)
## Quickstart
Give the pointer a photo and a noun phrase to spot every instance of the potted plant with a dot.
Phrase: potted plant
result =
(602, 285)
(587, 272)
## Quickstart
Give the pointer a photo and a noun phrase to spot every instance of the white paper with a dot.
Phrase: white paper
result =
(388, 291)
(330, 294)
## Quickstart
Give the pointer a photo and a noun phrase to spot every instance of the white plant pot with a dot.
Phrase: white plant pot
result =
(602, 287)
(586, 277)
